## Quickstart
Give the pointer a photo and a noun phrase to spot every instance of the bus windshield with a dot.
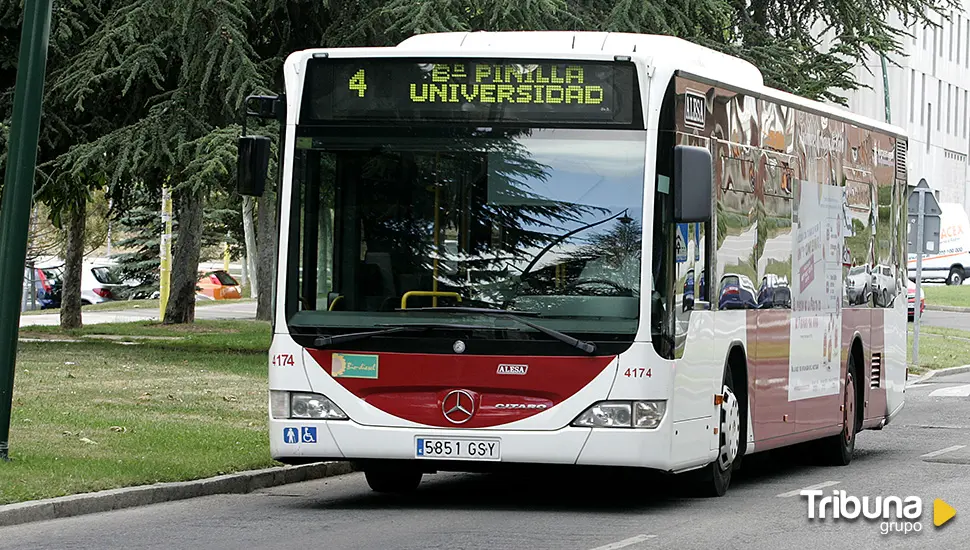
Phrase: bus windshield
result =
(539, 220)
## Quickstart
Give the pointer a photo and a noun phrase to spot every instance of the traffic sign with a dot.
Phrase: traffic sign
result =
(681, 243)
(931, 207)
(931, 234)
(930, 212)
(923, 235)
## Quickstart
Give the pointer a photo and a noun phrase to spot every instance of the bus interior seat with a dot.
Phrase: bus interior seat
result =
(377, 282)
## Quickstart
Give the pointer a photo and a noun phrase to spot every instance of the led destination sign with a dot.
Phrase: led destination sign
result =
(470, 90)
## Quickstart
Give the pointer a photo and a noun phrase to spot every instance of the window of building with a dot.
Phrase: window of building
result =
(964, 117)
(949, 105)
(939, 103)
(950, 41)
(959, 37)
(940, 41)
(929, 127)
(922, 99)
(912, 93)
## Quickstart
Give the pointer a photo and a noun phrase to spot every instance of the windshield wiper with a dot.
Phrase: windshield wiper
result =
(330, 340)
(588, 347)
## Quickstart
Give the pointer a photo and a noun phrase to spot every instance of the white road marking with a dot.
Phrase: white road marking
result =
(797, 492)
(626, 542)
(952, 391)
(943, 451)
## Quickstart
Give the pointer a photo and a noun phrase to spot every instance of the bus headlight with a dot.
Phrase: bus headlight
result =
(622, 414)
(285, 404)
(648, 414)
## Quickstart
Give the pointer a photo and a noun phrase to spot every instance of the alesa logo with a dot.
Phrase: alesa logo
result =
(895, 514)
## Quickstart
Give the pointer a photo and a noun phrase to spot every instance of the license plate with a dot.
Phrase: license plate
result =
(455, 448)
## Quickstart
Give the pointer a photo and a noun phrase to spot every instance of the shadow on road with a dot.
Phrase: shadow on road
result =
(572, 489)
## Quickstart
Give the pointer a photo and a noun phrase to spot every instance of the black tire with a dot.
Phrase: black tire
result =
(837, 450)
(955, 277)
(393, 480)
(713, 480)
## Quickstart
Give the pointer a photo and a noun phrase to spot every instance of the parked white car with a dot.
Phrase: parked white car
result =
(858, 285)
(883, 285)
(101, 283)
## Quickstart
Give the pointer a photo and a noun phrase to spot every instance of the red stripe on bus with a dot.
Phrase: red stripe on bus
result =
(414, 386)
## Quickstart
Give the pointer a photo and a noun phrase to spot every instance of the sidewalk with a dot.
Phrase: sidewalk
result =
(245, 310)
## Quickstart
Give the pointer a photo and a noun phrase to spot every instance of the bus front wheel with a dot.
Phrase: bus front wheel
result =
(393, 480)
(713, 480)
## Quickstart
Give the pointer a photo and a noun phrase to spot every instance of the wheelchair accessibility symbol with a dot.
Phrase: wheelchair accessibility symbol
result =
(306, 434)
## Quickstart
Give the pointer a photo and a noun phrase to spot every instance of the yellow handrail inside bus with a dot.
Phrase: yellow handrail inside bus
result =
(334, 302)
(434, 293)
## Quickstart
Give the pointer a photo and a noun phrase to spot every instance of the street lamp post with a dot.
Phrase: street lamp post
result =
(18, 185)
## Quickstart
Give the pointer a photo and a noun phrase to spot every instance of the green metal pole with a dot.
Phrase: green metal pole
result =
(17, 189)
(885, 89)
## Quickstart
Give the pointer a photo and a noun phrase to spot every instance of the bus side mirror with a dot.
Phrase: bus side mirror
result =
(693, 184)
(252, 165)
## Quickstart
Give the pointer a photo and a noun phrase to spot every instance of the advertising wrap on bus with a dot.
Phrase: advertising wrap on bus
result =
(952, 262)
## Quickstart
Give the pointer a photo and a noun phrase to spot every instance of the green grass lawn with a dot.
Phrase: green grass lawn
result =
(945, 295)
(939, 348)
(187, 402)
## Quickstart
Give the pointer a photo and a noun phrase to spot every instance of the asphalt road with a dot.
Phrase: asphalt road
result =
(235, 310)
(947, 319)
(925, 453)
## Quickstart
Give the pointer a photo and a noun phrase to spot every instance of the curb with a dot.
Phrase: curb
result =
(942, 372)
(143, 495)
(953, 309)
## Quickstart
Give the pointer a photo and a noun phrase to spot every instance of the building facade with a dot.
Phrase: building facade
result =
(929, 92)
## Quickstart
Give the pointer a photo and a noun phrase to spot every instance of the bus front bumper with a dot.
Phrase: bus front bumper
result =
(300, 441)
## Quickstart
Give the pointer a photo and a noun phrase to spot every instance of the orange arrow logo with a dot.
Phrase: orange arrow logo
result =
(942, 512)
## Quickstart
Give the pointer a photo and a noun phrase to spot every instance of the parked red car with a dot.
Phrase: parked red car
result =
(219, 285)
(911, 299)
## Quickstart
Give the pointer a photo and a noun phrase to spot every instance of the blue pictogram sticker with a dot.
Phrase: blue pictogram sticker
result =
(305, 434)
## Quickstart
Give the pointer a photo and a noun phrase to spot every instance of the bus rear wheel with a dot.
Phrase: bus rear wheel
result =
(713, 480)
(393, 480)
(837, 450)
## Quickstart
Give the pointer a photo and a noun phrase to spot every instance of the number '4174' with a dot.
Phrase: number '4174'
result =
(638, 373)
(283, 360)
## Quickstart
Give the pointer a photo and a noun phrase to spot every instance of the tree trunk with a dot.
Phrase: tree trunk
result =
(266, 266)
(73, 264)
(249, 260)
(185, 259)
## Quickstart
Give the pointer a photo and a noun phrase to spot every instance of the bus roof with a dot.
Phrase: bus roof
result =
(666, 53)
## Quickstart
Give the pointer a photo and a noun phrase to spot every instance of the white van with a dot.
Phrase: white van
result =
(952, 262)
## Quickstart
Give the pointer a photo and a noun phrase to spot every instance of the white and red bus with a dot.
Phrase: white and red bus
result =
(574, 248)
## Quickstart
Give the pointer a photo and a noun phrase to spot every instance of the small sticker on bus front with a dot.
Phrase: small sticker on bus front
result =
(346, 365)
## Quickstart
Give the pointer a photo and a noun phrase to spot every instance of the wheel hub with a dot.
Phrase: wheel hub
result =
(849, 410)
(730, 429)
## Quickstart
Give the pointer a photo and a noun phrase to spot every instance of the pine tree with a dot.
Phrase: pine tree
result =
(141, 93)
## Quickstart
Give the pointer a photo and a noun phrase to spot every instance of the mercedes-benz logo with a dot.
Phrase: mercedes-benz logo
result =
(458, 406)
